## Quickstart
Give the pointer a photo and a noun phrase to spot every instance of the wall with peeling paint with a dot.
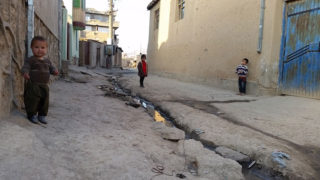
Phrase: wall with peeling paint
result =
(212, 39)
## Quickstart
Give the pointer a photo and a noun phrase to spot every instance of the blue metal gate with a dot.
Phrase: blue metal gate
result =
(300, 53)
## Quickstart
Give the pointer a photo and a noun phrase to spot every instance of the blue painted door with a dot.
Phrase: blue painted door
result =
(300, 57)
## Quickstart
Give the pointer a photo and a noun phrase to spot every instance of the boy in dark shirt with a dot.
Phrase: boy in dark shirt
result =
(36, 71)
(142, 69)
(242, 71)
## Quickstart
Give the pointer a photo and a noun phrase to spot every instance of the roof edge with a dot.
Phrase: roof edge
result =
(152, 4)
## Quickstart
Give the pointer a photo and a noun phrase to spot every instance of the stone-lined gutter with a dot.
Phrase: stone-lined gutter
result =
(251, 168)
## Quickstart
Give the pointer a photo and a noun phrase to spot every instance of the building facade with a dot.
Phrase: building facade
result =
(97, 26)
(203, 41)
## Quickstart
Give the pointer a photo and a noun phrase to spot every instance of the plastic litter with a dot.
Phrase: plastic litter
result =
(198, 131)
(181, 176)
(280, 157)
(251, 164)
(144, 104)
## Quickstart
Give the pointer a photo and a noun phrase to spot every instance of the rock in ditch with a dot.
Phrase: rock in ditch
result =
(231, 154)
(168, 133)
(132, 102)
(208, 164)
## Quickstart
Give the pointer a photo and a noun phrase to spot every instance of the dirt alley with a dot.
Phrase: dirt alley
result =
(90, 136)
(256, 126)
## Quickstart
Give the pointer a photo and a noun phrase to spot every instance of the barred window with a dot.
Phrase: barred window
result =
(156, 19)
(181, 7)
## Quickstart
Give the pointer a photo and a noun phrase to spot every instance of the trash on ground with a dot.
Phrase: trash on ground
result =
(280, 157)
(144, 104)
(198, 131)
(251, 164)
(181, 176)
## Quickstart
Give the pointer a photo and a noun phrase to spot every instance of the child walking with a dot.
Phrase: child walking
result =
(142, 69)
(242, 71)
(36, 71)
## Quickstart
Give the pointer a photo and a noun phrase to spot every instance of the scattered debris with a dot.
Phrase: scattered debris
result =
(119, 92)
(181, 176)
(279, 158)
(133, 102)
(144, 104)
(159, 170)
(198, 131)
(251, 164)
(231, 154)
(220, 113)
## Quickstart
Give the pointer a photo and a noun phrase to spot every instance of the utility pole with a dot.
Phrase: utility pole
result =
(111, 21)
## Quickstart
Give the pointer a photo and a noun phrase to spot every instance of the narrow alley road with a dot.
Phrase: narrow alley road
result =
(280, 133)
(90, 136)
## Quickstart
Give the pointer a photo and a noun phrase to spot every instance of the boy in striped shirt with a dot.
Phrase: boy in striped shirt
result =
(242, 71)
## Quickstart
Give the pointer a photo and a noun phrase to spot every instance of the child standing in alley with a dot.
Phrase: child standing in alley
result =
(242, 71)
(36, 71)
(142, 69)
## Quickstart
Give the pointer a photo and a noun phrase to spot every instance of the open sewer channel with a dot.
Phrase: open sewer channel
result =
(251, 170)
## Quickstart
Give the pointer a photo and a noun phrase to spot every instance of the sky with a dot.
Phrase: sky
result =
(134, 22)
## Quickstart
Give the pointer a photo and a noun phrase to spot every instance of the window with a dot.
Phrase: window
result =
(181, 7)
(88, 17)
(156, 19)
(103, 18)
(103, 29)
(88, 28)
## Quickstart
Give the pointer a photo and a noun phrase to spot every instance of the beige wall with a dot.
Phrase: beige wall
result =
(211, 40)
(94, 35)
(93, 48)
(48, 12)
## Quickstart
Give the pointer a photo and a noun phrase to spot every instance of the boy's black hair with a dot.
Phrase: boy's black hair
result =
(38, 38)
(143, 56)
(246, 59)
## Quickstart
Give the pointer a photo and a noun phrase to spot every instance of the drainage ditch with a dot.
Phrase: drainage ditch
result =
(251, 170)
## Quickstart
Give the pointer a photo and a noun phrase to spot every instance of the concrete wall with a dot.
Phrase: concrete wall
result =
(47, 11)
(75, 47)
(211, 40)
(95, 35)
(92, 54)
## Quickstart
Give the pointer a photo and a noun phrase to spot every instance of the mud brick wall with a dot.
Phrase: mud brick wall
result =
(53, 42)
(13, 31)
(13, 23)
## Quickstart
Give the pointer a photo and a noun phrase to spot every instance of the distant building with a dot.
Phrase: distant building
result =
(97, 26)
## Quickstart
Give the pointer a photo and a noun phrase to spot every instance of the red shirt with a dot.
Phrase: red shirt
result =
(144, 67)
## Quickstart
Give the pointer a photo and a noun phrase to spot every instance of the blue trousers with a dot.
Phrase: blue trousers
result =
(242, 84)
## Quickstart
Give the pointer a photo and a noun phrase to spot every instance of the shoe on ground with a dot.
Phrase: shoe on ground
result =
(42, 119)
(33, 119)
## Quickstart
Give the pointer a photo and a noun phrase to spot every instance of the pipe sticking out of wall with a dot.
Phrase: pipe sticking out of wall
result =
(262, 11)
(30, 26)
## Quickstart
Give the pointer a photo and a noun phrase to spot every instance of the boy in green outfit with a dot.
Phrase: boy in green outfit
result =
(36, 70)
